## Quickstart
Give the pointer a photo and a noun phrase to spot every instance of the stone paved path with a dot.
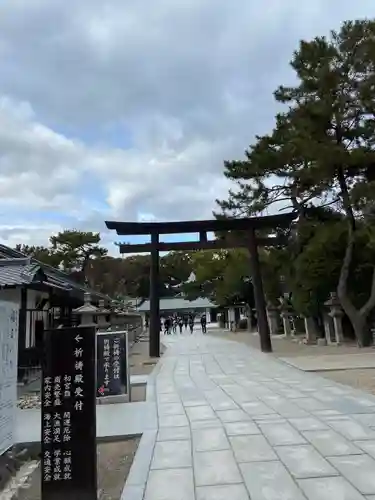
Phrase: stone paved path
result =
(236, 424)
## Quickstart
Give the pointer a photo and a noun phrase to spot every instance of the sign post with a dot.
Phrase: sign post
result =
(112, 364)
(69, 463)
(8, 373)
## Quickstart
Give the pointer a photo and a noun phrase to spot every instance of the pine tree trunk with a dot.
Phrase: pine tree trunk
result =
(358, 317)
(361, 330)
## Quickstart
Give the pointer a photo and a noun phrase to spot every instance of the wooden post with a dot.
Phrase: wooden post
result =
(260, 302)
(154, 346)
(22, 327)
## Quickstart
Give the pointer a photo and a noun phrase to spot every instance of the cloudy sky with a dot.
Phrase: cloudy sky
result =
(126, 109)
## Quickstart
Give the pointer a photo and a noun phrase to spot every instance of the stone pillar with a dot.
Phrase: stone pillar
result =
(208, 314)
(273, 318)
(286, 324)
(87, 312)
(143, 320)
(123, 319)
(231, 315)
(336, 313)
(249, 318)
(310, 329)
(221, 320)
(328, 329)
(285, 315)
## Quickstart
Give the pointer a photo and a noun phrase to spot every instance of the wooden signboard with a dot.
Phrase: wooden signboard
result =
(112, 363)
(69, 463)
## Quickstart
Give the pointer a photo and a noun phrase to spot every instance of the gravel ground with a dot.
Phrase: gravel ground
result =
(114, 462)
(360, 379)
(114, 459)
(283, 347)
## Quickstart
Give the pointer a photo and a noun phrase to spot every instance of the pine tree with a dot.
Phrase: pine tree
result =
(321, 151)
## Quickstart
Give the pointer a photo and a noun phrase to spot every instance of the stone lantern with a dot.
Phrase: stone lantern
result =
(336, 313)
(102, 315)
(273, 318)
(115, 319)
(87, 312)
(310, 330)
(286, 309)
(310, 326)
(122, 316)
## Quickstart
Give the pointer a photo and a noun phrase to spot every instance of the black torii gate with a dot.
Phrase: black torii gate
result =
(155, 229)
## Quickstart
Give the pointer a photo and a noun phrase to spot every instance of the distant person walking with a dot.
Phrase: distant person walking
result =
(174, 323)
(191, 323)
(204, 323)
(167, 326)
(186, 320)
(180, 323)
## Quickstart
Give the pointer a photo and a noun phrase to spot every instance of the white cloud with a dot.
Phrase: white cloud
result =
(127, 109)
(29, 234)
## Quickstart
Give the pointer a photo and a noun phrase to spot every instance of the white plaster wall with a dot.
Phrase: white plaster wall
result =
(11, 295)
(14, 295)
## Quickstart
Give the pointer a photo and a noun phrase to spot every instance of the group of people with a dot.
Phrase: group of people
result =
(170, 324)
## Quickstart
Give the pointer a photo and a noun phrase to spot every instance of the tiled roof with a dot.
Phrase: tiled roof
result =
(178, 303)
(19, 272)
(52, 276)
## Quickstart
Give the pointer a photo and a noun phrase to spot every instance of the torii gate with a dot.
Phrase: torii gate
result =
(249, 225)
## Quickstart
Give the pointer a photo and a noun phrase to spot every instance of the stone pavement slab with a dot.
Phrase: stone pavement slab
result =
(329, 488)
(241, 428)
(359, 470)
(170, 484)
(330, 444)
(252, 449)
(174, 433)
(305, 462)
(270, 481)
(172, 455)
(113, 421)
(235, 423)
(211, 439)
(222, 492)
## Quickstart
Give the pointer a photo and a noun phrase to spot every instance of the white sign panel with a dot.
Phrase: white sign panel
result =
(8, 373)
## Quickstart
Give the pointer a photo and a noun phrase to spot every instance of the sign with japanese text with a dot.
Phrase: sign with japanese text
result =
(8, 372)
(69, 465)
(112, 363)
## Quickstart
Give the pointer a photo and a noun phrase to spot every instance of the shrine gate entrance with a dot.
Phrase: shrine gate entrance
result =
(249, 225)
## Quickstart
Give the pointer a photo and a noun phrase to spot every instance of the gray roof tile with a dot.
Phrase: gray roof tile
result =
(177, 303)
(15, 272)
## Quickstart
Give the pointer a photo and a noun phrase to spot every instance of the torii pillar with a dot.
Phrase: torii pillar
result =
(260, 301)
(154, 332)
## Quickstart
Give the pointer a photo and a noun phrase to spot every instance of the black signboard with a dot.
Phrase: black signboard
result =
(69, 468)
(112, 364)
